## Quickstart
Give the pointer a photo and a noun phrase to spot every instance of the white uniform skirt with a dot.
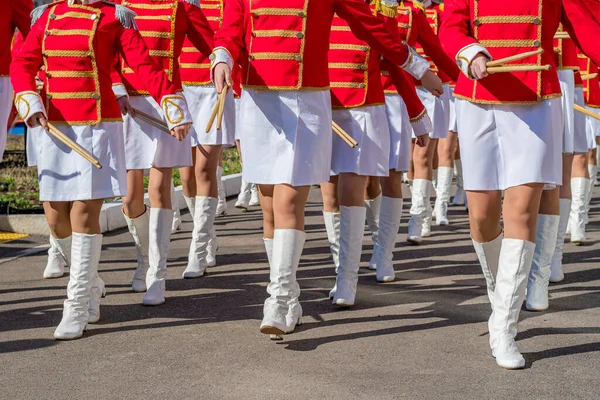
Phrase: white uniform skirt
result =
(369, 127)
(287, 137)
(452, 124)
(438, 109)
(66, 176)
(147, 146)
(502, 146)
(6, 98)
(201, 101)
(400, 132)
(574, 139)
(31, 147)
(592, 127)
(238, 121)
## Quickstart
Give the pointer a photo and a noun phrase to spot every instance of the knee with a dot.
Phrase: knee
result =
(331, 203)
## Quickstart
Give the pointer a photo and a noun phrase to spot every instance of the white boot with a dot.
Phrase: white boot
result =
(443, 195)
(434, 179)
(191, 205)
(593, 170)
(593, 174)
(85, 255)
(373, 209)
(244, 196)
(488, 255)
(389, 222)
(405, 177)
(539, 277)
(140, 231)
(254, 198)
(511, 283)
(211, 249)
(97, 293)
(176, 213)
(58, 257)
(282, 310)
(159, 239)
(222, 198)
(579, 188)
(556, 271)
(204, 217)
(426, 228)
(460, 197)
(421, 191)
(352, 230)
(332, 226)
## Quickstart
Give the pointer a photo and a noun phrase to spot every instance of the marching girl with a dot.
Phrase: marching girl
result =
(286, 109)
(358, 108)
(164, 25)
(509, 127)
(201, 181)
(79, 101)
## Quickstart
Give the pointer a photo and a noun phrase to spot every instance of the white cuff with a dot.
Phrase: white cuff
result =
(28, 103)
(119, 90)
(415, 65)
(176, 110)
(422, 124)
(220, 55)
(465, 56)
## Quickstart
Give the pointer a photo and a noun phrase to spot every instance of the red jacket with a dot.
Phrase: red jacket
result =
(164, 25)
(288, 41)
(78, 70)
(591, 87)
(509, 27)
(15, 14)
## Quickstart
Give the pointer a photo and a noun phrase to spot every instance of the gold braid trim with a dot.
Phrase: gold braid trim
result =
(419, 117)
(353, 47)
(387, 11)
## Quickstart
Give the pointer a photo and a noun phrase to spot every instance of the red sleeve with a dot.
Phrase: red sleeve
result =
(134, 51)
(115, 75)
(27, 63)
(17, 44)
(232, 31)
(405, 87)
(370, 28)
(454, 32)
(21, 10)
(433, 48)
(199, 31)
(581, 18)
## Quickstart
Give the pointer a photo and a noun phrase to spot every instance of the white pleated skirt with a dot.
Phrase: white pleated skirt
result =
(6, 98)
(574, 130)
(147, 146)
(452, 124)
(592, 127)
(438, 109)
(66, 176)
(400, 132)
(502, 146)
(238, 122)
(287, 136)
(201, 101)
(369, 127)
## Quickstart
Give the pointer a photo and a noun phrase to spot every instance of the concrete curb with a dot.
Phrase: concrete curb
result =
(111, 217)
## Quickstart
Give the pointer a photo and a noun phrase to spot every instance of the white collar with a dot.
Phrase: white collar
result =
(85, 2)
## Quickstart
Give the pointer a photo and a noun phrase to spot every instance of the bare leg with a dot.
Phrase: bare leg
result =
(57, 215)
(266, 203)
(373, 188)
(133, 203)
(159, 188)
(208, 159)
(329, 192)
(188, 178)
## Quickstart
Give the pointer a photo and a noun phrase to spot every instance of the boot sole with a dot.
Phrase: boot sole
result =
(414, 242)
(536, 309)
(271, 330)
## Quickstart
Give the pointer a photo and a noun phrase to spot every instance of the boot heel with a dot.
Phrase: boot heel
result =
(271, 330)
(276, 337)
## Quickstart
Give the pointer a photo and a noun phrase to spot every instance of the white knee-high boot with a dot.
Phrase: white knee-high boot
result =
(332, 226)
(243, 199)
(421, 192)
(222, 198)
(254, 198)
(58, 257)
(159, 239)
(511, 282)
(443, 195)
(389, 222)
(579, 189)
(140, 231)
(488, 255)
(556, 271)
(98, 291)
(593, 170)
(373, 209)
(352, 230)
(85, 255)
(176, 213)
(539, 277)
(191, 205)
(282, 310)
(204, 217)
(460, 196)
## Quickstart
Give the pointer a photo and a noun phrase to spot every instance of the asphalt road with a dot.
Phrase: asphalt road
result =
(421, 337)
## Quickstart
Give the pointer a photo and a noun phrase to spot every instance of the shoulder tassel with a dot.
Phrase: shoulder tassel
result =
(37, 13)
(126, 16)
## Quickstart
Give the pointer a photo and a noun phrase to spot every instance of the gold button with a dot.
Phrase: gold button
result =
(48, 96)
(253, 34)
(298, 58)
(363, 67)
(52, 16)
(537, 21)
(218, 19)
(364, 48)
(48, 75)
(169, 17)
(93, 17)
(96, 96)
(407, 12)
(476, 22)
(251, 57)
(255, 15)
(302, 14)
(90, 55)
(299, 35)
(47, 33)
(537, 43)
(362, 86)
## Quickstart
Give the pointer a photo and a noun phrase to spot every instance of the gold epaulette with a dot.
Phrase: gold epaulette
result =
(420, 6)
(385, 10)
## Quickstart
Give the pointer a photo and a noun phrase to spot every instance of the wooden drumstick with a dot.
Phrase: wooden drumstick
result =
(342, 134)
(516, 57)
(155, 122)
(222, 99)
(67, 141)
(519, 68)
(586, 111)
(588, 76)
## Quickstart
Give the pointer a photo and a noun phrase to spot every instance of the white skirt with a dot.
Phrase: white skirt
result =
(400, 132)
(31, 147)
(201, 101)
(502, 146)
(582, 141)
(452, 124)
(6, 98)
(592, 127)
(574, 139)
(287, 137)
(147, 146)
(66, 176)
(369, 127)
(238, 121)
(438, 109)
